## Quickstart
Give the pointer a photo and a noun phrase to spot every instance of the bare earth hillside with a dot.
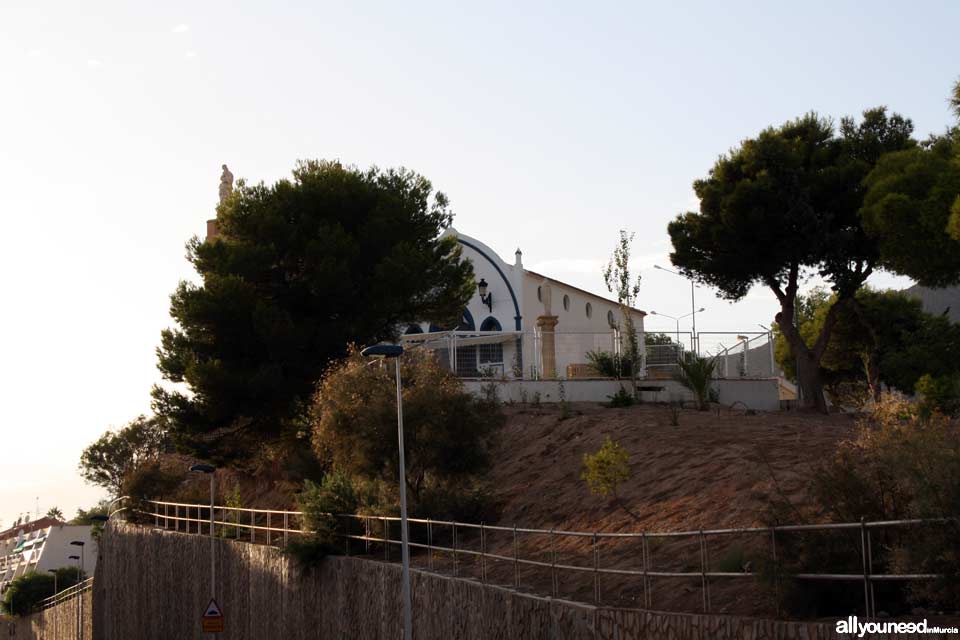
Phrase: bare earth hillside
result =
(717, 469)
(711, 471)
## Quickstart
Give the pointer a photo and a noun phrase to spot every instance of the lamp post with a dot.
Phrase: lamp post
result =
(693, 305)
(677, 319)
(77, 558)
(81, 544)
(79, 600)
(209, 470)
(54, 572)
(395, 351)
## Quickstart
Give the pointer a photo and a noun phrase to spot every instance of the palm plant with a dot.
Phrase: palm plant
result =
(695, 374)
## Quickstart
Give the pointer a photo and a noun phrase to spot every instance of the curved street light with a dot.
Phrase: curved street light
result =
(395, 351)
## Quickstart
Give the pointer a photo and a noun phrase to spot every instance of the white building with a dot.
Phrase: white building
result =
(520, 323)
(43, 545)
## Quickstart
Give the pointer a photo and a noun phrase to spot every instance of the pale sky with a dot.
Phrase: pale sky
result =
(549, 125)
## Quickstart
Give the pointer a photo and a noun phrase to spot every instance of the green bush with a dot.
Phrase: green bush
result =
(448, 433)
(696, 374)
(26, 592)
(604, 470)
(609, 365)
(939, 393)
(901, 464)
(322, 503)
(622, 398)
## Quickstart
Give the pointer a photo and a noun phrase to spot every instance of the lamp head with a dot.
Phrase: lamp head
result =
(482, 287)
(383, 351)
(203, 468)
(77, 543)
(71, 558)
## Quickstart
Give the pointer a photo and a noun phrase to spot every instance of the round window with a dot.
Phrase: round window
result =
(566, 303)
(589, 310)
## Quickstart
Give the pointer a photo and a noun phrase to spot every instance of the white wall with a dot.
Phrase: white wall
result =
(57, 549)
(757, 394)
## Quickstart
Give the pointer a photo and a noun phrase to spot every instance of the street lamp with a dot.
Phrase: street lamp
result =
(77, 558)
(693, 304)
(395, 351)
(677, 319)
(81, 544)
(54, 572)
(209, 470)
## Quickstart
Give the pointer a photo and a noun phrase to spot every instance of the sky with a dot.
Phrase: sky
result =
(551, 126)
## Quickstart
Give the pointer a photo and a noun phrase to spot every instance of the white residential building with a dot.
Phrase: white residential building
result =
(42, 545)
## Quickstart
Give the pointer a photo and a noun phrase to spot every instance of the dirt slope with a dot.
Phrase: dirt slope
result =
(711, 471)
(714, 470)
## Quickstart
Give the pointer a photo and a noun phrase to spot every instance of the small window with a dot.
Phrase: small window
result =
(610, 319)
(539, 294)
(566, 302)
(589, 310)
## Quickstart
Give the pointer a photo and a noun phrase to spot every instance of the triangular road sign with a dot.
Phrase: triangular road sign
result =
(213, 610)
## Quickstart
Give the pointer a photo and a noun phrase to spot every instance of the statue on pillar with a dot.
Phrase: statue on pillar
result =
(226, 184)
(546, 294)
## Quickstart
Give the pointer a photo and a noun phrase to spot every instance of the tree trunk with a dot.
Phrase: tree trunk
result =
(810, 381)
(871, 360)
(809, 378)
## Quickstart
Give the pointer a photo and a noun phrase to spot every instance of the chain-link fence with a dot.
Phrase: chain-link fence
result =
(548, 355)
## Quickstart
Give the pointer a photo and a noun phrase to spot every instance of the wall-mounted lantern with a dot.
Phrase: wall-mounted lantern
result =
(485, 298)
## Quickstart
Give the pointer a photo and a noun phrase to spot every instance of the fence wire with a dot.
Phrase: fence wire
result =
(578, 564)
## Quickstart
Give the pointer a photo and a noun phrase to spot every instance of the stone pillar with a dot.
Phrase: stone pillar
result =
(212, 231)
(548, 348)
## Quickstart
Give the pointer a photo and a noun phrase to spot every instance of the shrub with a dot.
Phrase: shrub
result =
(447, 432)
(26, 592)
(322, 503)
(620, 399)
(609, 365)
(696, 374)
(939, 393)
(605, 470)
(901, 464)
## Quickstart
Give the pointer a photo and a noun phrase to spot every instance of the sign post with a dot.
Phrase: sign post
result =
(212, 620)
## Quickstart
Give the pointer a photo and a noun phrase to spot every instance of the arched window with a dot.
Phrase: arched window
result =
(589, 310)
(566, 302)
(490, 354)
(610, 319)
(491, 324)
(539, 294)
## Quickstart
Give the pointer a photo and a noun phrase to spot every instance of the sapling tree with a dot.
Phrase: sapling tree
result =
(620, 282)
(605, 470)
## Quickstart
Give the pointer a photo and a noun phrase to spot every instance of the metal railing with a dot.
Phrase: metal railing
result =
(67, 594)
(466, 543)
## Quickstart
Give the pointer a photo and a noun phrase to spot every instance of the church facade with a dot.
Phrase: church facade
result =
(522, 324)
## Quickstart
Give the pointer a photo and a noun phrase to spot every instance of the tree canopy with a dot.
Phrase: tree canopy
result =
(109, 461)
(447, 432)
(907, 210)
(784, 205)
(26, 592)
(299, 270)
(891, 328)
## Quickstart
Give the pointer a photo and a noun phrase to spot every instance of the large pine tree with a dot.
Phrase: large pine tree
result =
(298, 271)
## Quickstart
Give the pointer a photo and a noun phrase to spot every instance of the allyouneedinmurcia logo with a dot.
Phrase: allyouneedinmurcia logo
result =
(859, 629)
